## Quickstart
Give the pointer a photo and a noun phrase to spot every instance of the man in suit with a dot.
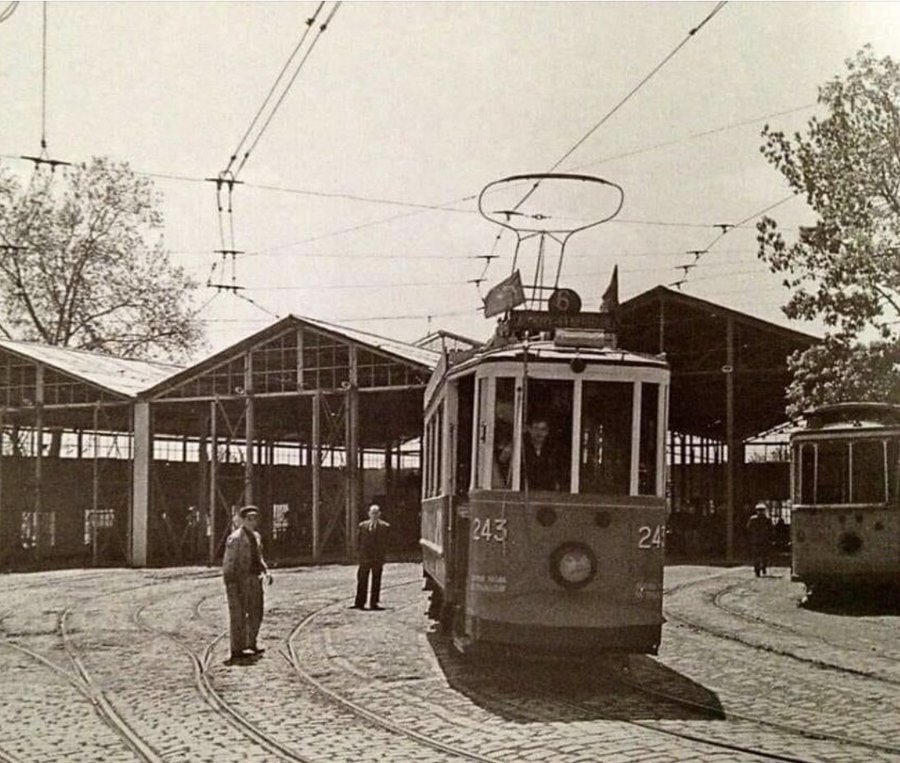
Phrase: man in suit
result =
(243, 568)
(372, 544)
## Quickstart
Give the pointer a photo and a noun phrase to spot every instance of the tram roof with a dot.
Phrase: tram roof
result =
(693, 334)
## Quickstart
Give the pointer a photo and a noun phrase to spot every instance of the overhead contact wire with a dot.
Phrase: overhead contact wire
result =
(309, 24)
(322, 29)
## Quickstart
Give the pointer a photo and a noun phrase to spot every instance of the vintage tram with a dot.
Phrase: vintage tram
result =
(543, 505)
(845, 518)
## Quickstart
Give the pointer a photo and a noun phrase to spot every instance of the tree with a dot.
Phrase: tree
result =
(844, 269)
(82, 264)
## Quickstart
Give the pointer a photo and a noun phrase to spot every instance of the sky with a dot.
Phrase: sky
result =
(423, 104)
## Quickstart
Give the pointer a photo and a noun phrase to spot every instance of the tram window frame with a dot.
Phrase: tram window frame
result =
(810, 486)
(504, 406)
(620, 410)
(648, 438)
(552, 400)
(855, 496)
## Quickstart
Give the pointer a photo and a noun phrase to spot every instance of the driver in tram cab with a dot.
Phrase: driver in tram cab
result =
(541, 462)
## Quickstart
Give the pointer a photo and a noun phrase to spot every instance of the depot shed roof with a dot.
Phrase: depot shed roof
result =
(693, 333)
(125, 377)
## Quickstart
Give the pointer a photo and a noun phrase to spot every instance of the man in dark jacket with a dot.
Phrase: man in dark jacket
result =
(542, 470)
(760, 531)
(372, 544)
(243, 568)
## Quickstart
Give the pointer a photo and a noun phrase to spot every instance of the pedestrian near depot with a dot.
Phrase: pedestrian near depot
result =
(372, 544)
(244, 568)
(760, 531)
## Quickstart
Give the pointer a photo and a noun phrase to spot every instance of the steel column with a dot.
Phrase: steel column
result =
(316, 474)
(730, 440)
(249, 429)
(38, 439)
(141, 478)
(213, 475)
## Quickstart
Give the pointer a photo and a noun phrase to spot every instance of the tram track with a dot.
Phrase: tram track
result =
(716, 601)
(721, 633)
(291, 656)
(82, 680)
(709, 711)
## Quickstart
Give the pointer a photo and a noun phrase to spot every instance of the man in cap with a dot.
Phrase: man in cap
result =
(759, 529)
(372, 544)
(243, 568)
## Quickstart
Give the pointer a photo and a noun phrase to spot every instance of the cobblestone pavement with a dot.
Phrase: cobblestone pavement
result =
(126, 665)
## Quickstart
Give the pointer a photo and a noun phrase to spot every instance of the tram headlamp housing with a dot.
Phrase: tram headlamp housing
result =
(573, 565)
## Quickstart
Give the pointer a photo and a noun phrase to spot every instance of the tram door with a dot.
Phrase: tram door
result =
(462, 474)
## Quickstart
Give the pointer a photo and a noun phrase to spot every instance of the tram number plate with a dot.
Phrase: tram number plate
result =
(651, 537)
(489, 529)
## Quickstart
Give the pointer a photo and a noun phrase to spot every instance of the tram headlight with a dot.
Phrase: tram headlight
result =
(573, 565)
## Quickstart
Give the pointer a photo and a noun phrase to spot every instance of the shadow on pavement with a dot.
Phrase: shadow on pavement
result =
(854, 602)
(542, 690)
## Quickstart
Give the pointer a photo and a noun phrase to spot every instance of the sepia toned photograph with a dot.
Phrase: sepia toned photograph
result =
(411, 381)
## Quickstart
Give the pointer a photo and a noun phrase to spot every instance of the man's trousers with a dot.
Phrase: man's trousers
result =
(245, 611)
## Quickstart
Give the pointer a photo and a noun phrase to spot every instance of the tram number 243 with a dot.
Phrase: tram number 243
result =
(496, 530)
(490, 529)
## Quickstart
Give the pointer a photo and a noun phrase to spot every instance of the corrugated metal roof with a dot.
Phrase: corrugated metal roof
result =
(420, 355)
(124, 376)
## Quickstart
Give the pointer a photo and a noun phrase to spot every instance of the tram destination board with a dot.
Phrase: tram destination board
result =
(537, 320)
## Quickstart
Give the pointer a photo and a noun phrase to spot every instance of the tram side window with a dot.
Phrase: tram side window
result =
(504, 415)
(547, 440)
(868, 472)
(649, 432)
(807, 474)
(606, 437)
(833, 473)
(465, 408)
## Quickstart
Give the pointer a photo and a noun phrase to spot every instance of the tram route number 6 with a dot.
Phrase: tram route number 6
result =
(489, 529)
(651, 537)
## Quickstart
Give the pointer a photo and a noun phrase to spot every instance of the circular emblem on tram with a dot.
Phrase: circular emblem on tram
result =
(564, 301)
(573, 565)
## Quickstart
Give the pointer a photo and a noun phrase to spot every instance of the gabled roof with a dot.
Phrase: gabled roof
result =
(422, 359)
(663, 293)
(403, 351)
(122, 376)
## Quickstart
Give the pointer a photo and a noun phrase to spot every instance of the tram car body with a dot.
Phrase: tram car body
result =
(845, 518)
(562, 555)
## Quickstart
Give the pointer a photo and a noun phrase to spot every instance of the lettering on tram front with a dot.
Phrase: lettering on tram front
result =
(651, 537)
(489, 529)
(489, 583)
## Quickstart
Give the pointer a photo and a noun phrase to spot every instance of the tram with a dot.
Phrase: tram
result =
(543, 503)
(845, 518)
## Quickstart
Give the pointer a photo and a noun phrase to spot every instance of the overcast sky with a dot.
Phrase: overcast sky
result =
(425, 103)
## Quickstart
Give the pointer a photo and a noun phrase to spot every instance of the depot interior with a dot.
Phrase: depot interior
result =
(108, 461)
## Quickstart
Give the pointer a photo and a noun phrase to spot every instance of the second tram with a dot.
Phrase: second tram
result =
(845, 519)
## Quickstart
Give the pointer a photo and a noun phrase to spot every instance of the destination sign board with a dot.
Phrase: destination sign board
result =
(537, 320)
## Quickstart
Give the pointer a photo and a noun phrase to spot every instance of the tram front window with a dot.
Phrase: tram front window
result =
(504, 413)
(868, 472)
(547, 439)
(605, 458)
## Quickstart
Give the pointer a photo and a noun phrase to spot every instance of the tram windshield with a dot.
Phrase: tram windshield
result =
(547, 437)
(843, 472)
(606, 420)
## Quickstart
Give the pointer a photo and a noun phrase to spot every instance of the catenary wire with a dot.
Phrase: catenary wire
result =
(309, 24)
(287, 89)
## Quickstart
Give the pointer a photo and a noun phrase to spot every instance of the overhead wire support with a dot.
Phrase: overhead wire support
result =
(43, 158)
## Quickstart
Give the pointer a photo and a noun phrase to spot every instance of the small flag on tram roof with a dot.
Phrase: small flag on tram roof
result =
(609, 302)
(504, 296)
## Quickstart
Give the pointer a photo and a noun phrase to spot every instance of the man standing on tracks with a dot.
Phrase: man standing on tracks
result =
(243, 568)
(372, 544)
(759, 529)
